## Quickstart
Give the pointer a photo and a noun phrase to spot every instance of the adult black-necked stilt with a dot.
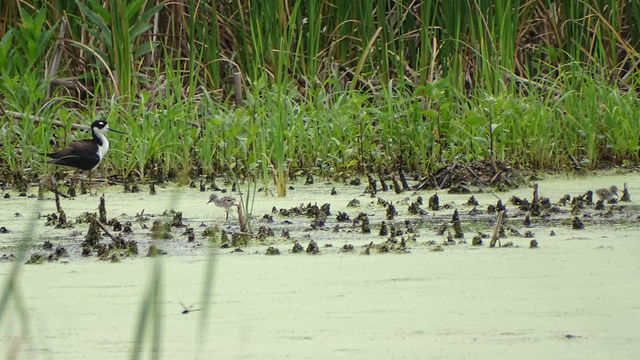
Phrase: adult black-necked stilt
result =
(85, 154)
(225, 202)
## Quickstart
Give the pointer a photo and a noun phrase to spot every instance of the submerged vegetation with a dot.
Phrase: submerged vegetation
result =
(266, 89)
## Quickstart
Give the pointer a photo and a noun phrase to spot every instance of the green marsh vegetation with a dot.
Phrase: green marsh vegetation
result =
(267, 89)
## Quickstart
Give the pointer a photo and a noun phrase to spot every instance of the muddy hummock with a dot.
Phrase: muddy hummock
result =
(461, 177)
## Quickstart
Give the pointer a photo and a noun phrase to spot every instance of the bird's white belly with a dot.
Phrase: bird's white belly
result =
(102, 149)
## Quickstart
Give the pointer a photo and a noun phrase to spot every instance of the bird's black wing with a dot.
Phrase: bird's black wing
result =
(80, 154)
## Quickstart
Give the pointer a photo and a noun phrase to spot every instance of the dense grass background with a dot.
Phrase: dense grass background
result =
(265, 88)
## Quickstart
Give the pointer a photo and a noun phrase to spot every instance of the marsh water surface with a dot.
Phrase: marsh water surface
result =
(575, 296)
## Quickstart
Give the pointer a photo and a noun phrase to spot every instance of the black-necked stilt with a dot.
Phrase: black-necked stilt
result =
(225, 202)
(85, 154)
(607, 194)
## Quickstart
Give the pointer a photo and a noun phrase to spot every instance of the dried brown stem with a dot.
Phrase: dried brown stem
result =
(496, 230)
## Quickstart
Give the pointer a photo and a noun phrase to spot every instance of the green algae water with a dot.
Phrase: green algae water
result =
(574, 295)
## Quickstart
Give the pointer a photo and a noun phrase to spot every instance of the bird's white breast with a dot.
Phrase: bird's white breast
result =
(102, 149)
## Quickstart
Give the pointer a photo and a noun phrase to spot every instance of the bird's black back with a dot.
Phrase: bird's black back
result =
(82, 154)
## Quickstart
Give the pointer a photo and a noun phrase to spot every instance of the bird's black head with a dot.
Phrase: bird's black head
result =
(99, 124)
(99, 127)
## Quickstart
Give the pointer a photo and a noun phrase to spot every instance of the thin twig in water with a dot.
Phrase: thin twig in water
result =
(105, 230)
(496, 230)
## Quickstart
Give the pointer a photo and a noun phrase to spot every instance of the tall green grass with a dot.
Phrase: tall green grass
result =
(327, 87)
(345, 132)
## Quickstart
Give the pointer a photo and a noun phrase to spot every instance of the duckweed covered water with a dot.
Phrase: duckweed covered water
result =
(574, 295)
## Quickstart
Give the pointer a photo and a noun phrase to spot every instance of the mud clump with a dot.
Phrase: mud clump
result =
(102, 211)
(240, 239)
(396, 185)
(347, 248)
(309, 180)
(297, 248)
(115, 224)
(366, 229)
(264, 232)
(84, 187)
(367, 249)
(62, 221)
(383, 229)
(126, 228)
(459, 189)
(93, 234)
(71, 190)
(85, 217)
(272, 251)
(372, 188)
(342, 217)
(434, 203)
(312, 248)
(123, 247)
(317, 224)
(61, 252)
(51, 219)
(472, 201)
(353, 203)
(210, 231)
(457, 226)
(176, 221)
(391, 212)
(449, 240)
(392, 245)
(311, 211)
(7, 257)
(355, 182)
(161, 230)
(626, 196)
(363, 220)
(155, 251)
(36, 259)
(577, 224)
(191, 236)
